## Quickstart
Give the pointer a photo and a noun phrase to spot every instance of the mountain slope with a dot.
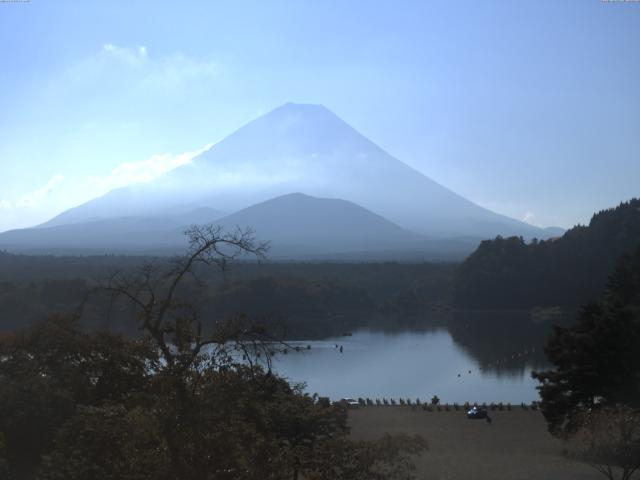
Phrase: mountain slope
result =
(305, 148)
(118, 234)
(130, 234)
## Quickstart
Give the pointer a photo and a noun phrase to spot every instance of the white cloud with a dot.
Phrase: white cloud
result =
(132, 56)
(30, 208)
(32, 199)
(142, 171)
(135, 67)
(529, 217)
(40, 205)
(121, 92)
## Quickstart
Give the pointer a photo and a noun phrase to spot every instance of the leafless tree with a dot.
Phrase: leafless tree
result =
(175, 324)
(609, 441)
(188, 351)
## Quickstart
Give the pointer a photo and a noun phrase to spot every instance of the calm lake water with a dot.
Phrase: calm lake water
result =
(413, 364)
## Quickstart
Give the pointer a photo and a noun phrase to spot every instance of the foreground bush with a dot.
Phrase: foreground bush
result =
(608, 440)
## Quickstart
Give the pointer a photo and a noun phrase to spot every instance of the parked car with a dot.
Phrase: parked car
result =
(476, 413)
(350, 402)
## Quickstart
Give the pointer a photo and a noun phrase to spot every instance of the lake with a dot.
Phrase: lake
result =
(409, 364)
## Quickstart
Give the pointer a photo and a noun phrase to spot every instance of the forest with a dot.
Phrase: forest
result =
(307, 300)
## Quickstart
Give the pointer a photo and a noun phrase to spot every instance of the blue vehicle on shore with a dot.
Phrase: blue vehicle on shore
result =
(476, 412)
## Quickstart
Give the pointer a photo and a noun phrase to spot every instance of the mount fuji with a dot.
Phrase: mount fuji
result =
(294, 148)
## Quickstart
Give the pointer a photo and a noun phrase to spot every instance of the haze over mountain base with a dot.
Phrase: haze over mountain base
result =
(370, 205)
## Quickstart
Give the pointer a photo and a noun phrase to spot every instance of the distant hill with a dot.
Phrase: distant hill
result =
(306, 224)
(308, 149)
(570, 270)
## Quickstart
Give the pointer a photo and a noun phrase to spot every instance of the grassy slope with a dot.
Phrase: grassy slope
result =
(516, 446)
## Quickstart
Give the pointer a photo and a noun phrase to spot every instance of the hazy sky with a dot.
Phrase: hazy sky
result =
(530, 108)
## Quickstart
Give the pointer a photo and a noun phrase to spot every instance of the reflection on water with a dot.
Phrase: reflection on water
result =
(503, 342)
(409, 364)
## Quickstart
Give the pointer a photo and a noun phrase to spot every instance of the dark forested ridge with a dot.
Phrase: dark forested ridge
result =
(508, 273)
(307, 299)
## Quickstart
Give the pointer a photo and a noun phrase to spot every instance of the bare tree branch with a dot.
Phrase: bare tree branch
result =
(175, 325)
